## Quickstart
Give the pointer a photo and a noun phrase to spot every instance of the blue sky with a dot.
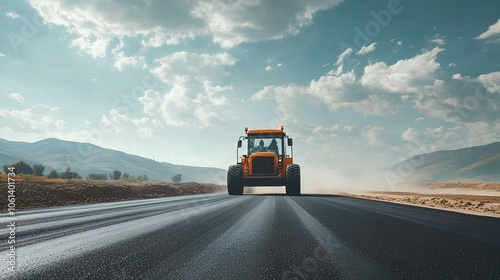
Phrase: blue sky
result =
(357, 84)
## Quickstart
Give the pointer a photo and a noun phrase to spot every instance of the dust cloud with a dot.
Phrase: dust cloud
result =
(332, 181)
(335, 181)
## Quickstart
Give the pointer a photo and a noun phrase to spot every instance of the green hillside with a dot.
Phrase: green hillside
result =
(85, 158)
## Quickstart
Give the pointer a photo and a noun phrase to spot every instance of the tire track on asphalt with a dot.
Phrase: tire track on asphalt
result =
(39, 255)
(349, 262)
(42, 227)
(484, 228)
(240, 242)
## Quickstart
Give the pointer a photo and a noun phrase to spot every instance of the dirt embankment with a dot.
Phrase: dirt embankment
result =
(35, 194)
(472, 198)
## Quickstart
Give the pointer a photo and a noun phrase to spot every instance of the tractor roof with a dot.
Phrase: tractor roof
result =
(265, 131)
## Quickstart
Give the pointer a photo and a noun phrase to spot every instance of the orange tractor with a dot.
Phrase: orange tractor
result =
(266, 162)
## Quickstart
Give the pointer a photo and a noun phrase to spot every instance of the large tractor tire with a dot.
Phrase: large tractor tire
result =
(293, 179)
(235, 180)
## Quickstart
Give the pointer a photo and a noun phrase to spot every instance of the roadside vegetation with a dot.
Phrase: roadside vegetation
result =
(177, 178)
(25, 171)
(57, 188)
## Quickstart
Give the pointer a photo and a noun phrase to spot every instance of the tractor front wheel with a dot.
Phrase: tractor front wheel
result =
(293, 179)
(235, 180)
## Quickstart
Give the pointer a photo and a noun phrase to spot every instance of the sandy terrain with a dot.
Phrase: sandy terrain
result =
(34, 194)
(472, 198)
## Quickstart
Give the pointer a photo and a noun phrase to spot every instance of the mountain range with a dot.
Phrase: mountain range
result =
(85, 158)
(479, 163)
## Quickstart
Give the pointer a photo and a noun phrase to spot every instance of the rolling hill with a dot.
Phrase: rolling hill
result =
(479, 163)
(85, 158)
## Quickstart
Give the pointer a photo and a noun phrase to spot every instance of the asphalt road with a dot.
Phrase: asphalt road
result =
(251, 237)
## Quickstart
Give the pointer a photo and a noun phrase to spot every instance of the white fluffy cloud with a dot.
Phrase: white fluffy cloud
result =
(336, 89)
(490, 81)
(329, 90)
(433, 139)
(197, 88)
(375, 105)
(151, 101)
(177, 67)
(95, 24)
(438, 41)
(193, 100)
(336, 130)
(333, 89)
(39, 118)
(16, 96)
(13, 15)
(121, 60)
(288, 99)
(405, 76)
(459, 100)
(481, 133)
(374, 135)
(493, 30)
(271, 68)
(118, 123)
(159, 22)
(410, 135)
(367, 49)
(458, 76)
(232, 23)
(463, 99)
(433, 135)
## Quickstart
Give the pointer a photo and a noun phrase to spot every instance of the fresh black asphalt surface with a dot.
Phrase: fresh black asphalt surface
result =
(219, 236)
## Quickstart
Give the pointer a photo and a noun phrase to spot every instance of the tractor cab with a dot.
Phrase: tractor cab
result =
(265, 162)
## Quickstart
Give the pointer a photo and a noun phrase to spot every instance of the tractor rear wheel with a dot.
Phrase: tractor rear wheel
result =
(293, 179)
(235, 180)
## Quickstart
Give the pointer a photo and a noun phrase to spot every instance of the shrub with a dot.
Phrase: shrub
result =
(177, 178)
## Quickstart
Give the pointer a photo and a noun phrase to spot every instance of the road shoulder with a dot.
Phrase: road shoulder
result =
(481, 199)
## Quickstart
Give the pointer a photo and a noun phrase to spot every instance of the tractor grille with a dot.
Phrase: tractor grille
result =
(263, 165)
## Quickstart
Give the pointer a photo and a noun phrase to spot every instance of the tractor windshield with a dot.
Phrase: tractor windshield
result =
(265, 143)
